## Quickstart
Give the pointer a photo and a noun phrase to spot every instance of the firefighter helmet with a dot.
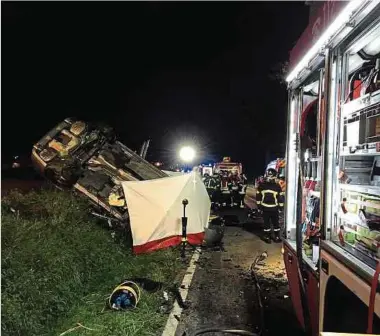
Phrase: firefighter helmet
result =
(271, 173)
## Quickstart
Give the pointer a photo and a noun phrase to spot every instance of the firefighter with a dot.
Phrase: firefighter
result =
(270, 200)
(205, 178)
(235, 196)
(217, 194)
(209, 184)
(230, 184)
(224, 187)
(243, 178)
(242, 190)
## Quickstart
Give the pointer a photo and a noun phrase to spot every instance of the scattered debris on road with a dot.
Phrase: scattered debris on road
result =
(223, 292)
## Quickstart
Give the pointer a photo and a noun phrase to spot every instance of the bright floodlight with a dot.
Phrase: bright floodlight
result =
(187, 154)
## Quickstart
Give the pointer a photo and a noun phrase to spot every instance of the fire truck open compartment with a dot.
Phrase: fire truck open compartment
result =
(304, 120)
(332, 215)
(355, 216)
(356, 221)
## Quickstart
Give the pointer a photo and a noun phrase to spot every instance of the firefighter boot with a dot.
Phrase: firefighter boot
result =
(276, 236)
(242, 203)
(266, 236)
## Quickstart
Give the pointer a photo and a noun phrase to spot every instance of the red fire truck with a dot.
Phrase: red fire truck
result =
(227, 167)
(332, 232)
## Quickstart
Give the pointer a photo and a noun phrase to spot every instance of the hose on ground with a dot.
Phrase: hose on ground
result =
(258, 259)
(225, 331)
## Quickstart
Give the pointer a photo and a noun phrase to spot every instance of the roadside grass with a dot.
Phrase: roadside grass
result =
(58, 266)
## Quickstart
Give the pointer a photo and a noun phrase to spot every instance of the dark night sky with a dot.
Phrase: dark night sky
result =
(169, 71)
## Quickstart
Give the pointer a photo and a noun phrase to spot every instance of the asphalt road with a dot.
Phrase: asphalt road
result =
(222, 293)
(250, 197)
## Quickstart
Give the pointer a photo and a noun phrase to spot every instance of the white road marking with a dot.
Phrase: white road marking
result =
(172, 323)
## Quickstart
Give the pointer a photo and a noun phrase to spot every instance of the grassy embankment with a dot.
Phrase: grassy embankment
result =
(58, 267)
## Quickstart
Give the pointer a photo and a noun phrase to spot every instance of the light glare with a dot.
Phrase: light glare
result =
(187, 154)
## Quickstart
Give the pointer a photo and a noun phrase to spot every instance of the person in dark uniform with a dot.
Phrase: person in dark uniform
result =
(224, 188)
(209, 184)
(242, 189)
(217, 194)
(270, 200)
(243, 178)
(230, 184)
(234, 189)
(205, 178)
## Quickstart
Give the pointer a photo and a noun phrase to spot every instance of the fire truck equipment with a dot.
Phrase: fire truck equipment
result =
(333, 146)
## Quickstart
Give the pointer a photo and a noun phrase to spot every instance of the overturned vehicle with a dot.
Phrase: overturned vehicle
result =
(88, 159)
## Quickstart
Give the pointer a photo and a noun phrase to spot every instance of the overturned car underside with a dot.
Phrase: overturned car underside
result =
(88, 159)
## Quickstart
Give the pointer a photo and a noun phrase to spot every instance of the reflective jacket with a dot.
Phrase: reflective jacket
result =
(217, 182)
(211, 183)
(205, 179)
(269, 196)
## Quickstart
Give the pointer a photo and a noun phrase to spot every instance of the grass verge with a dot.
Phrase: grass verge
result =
(58, 267)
